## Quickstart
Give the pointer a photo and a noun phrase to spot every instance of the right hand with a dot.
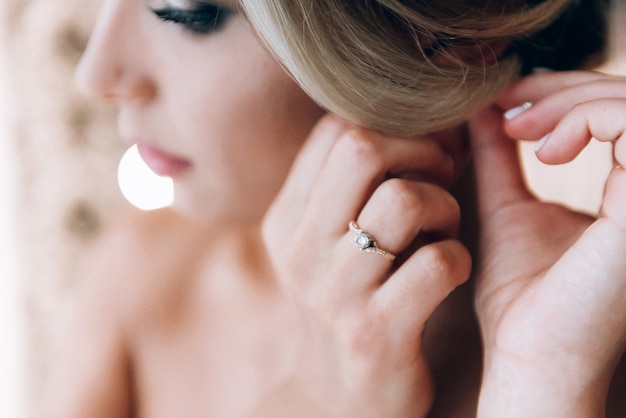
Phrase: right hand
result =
(362, 314)
(551, 285)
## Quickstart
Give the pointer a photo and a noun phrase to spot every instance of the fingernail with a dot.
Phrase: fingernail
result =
(541, 142)
(511, 113)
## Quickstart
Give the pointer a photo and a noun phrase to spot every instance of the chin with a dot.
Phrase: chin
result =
(222, 204)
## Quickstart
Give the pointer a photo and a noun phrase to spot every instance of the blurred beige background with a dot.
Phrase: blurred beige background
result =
(63, 152)
(9, 300)
(59, 155)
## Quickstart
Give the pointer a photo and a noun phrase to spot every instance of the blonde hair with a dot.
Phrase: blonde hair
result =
(378, 63)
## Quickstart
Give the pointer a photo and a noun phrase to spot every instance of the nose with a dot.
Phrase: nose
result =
(114, 66)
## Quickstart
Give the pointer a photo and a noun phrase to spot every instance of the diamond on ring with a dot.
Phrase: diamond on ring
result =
(365, 242)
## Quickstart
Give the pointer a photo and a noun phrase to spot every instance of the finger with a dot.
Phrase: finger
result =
(541, 84)
(397, 215)
(413, 292)
(309, 162)
(499, 178)
(614, 202)
(549, 108)
(603, 119)
(400, 210)
(286, 210)
(362, 160)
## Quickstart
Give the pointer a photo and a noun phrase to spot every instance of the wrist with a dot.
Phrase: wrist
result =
(516, 387)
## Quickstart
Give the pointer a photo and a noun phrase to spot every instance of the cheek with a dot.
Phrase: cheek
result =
(283, 109)
(266, 112)
(243, 103)
(270, 99)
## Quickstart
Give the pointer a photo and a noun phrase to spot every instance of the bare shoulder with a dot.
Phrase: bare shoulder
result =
(139, 267)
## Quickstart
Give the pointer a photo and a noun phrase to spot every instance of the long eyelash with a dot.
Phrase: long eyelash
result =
(205, 19)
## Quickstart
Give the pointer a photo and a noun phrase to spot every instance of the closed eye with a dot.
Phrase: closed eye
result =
(202, 19)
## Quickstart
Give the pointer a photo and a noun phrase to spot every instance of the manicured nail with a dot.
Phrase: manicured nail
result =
(541, 142)
(511, 113)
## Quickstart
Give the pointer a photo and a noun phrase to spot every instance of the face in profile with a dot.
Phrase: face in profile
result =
(204, 100)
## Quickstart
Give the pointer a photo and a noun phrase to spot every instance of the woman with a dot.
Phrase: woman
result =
(249, 297)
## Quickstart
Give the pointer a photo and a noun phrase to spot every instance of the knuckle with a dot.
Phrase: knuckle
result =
(448, 260)
(362, 148)
(452, 205)
(402, 196)
(413, 199)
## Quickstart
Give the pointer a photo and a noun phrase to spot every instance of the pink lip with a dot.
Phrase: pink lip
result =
(161, 162)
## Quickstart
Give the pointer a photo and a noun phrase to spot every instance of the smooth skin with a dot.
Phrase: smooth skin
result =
(248, 298)
(551, 290)
(250, 288)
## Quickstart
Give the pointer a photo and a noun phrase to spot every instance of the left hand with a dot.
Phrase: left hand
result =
(551, 291)
(360, 316)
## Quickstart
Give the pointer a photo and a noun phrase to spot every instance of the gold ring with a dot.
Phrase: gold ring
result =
(365, 242)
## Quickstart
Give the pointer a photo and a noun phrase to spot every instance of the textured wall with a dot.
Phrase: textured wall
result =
(65, 151)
